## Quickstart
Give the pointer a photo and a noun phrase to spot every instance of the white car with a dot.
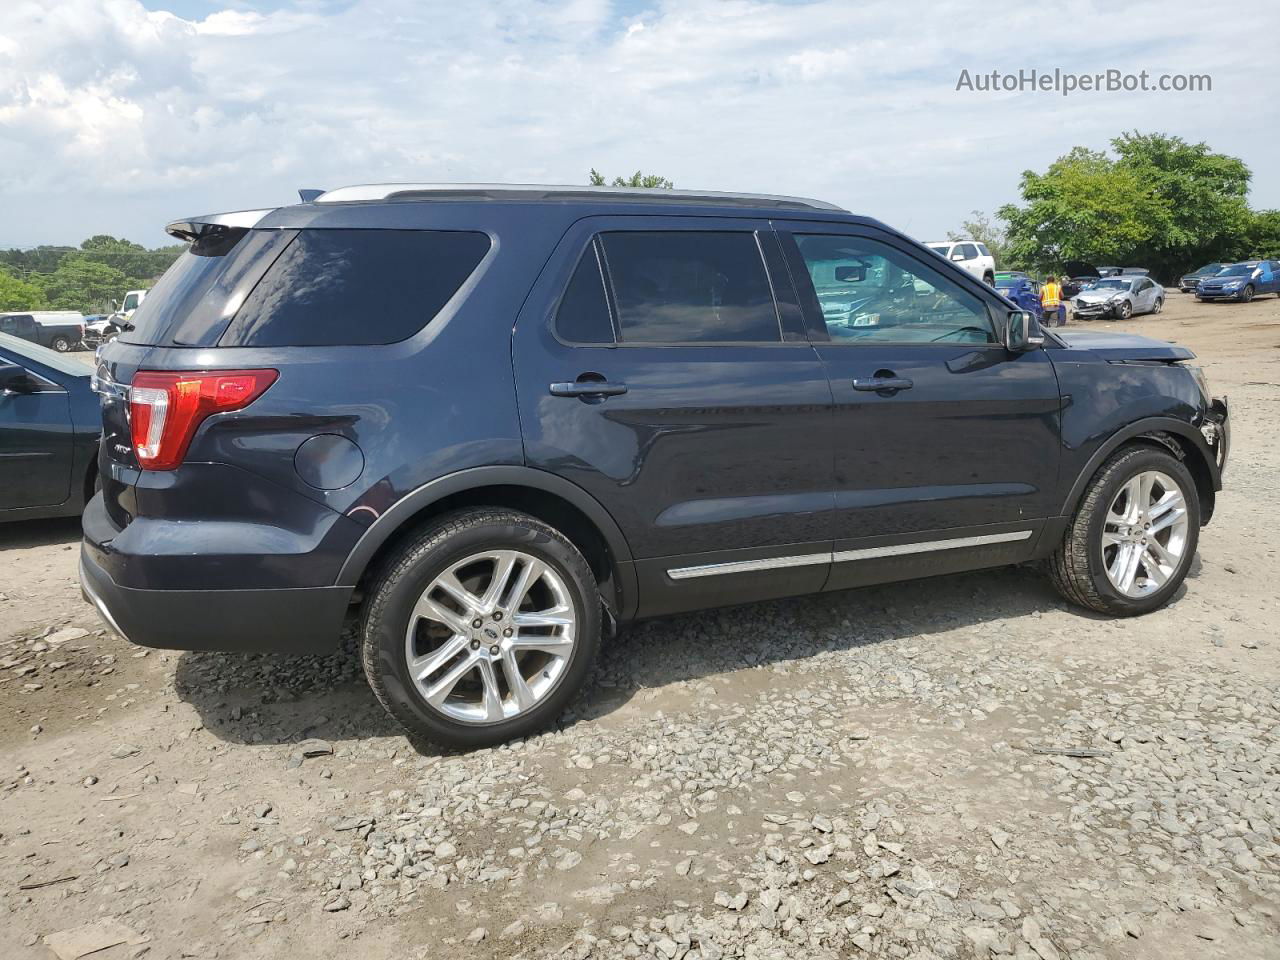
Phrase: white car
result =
(968, 255)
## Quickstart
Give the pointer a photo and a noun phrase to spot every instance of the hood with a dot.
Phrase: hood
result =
(1099, 294)
(1078, 268)
(1123, 346)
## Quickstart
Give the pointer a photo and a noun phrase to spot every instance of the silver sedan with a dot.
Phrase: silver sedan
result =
(1118, 298)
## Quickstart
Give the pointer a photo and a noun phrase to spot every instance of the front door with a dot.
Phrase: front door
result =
(35, 444)
(946, 444)
(656, 370)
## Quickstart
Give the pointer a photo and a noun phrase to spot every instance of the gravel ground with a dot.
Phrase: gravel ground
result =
(958, 767)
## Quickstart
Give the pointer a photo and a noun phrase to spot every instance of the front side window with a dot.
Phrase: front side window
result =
(870, 292)
(690, 287)
(982, 249)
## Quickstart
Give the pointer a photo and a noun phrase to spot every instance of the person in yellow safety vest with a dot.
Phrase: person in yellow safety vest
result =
(1051, 302)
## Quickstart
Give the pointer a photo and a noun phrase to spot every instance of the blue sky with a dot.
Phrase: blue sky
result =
(118, 115)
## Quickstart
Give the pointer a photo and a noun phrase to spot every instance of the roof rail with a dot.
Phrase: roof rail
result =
(532, 191)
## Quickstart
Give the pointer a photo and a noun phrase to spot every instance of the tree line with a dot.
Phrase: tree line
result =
(84, 278)
(1153, 201)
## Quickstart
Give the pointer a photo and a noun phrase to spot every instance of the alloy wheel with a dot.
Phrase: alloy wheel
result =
(490, 636)
(1144, 535)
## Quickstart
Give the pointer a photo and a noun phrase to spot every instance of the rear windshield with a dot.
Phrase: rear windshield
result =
(267, 288)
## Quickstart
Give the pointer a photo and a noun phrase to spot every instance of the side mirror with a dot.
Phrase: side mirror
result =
(1022, 332)
(957, 256)
(851, 274)
(14, 378)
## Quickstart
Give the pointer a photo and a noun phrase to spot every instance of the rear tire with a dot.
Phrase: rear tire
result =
(409, 614)
(989, 279)
(1082, 568)
(61, 344)
(1159, 305)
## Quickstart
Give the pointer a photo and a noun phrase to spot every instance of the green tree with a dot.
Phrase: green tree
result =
(1084, 207)
(991, 231)
(1262, 239)
(1160, 203)
(637, 179)
(17, 294)
(82, 284)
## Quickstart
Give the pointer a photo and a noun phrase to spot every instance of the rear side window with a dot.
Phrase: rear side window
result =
(355, 287)
(583, 315)
(690, 287)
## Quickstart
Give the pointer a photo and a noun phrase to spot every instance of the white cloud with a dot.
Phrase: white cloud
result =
(114, 118)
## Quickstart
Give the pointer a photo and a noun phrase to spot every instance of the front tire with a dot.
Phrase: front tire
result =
(481, 628)
(989, 279)
(1126, 310)
(1247, 293)
(1132, 538)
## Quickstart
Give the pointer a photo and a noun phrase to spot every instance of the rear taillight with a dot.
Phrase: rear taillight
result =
(166, 409)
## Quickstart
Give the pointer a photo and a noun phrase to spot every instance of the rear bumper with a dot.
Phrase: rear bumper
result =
(297, 620)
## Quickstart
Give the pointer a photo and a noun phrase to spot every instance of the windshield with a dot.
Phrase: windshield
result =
(1238, 270)
(26, 350)
(1211, 268)
(1112, 283)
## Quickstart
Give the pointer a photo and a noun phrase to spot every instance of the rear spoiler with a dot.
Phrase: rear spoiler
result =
(193, 228)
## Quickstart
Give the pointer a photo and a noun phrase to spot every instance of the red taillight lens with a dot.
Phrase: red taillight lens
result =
(165, 409)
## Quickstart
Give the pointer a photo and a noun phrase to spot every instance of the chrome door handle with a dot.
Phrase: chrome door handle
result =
(588, 388)
(885, 384)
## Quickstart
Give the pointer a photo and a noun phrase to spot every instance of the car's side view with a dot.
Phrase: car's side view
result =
(49, 430)
(1241, 281)
(563, 409)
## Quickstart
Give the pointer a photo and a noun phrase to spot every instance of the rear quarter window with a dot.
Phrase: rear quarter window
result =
(355, 287)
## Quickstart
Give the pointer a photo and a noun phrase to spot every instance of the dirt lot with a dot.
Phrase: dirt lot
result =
(948, 768)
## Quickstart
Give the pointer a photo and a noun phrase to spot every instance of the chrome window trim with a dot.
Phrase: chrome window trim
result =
(844, 556)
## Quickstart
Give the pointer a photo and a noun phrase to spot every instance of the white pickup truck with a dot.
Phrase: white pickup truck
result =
(968, 255)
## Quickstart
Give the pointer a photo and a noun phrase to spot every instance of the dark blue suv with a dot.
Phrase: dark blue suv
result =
(496, 422)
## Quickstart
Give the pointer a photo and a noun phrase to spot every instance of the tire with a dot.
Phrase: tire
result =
(452, 543)
(989, 279)
(1159, 305)
(1247, 293)
(60, 343)
(1078, 568)
(1126, 310)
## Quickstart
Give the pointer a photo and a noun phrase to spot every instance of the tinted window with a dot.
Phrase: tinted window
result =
(193, 301)
(333, 287)
(690, 287)
(982, 249)
(870, 292)
(583, 315)
(968, 250)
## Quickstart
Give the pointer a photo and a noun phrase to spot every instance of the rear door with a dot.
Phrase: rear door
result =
(656, 370)
(946, 445)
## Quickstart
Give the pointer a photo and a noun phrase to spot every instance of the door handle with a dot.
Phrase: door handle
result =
(588, 388)
(882, 384)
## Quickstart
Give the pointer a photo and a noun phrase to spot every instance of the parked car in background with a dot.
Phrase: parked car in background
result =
(1241, 281)
(60, 330)
(969, 255)
(1021, 289)
(100, 328)
(50, 423)
(1118, 298)
(673, 401)
(1189, 281)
